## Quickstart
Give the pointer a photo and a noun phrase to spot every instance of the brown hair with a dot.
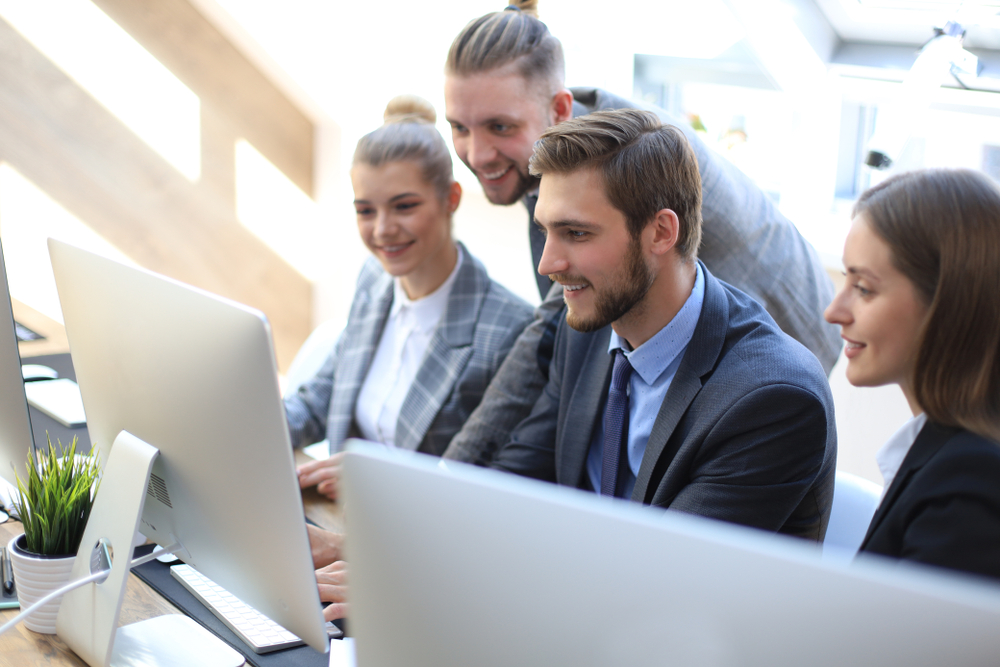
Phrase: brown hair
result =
(512, 35)
(646, 166)
(409, 134)
(942, 227)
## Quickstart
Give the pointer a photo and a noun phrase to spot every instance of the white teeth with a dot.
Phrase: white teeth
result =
(495, 175)
(394, 248)
(573, 288)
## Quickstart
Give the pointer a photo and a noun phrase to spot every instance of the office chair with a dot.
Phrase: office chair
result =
(854, 502)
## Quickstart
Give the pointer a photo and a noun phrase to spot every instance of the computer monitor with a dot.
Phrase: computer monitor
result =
(194, 376)
(15, 422)
(466, 566)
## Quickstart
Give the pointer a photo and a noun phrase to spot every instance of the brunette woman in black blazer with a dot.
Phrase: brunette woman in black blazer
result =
(921, 309)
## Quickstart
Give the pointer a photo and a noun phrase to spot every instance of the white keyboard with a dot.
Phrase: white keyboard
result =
(258, 631)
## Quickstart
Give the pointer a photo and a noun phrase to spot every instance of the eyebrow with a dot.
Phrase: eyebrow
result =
(392, 199)
(860, 271)
(505, 120)
(579, 224)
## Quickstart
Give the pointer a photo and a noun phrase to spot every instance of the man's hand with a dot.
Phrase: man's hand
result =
(332, 581)
(325, 475)
(326, 547)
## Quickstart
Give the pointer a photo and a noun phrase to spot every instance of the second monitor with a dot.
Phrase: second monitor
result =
(194, 376)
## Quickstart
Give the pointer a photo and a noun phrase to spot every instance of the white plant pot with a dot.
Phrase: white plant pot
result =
(35, 577)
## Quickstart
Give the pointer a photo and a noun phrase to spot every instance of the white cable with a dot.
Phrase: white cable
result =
(51, 596)
(103, 574)
(156, 553)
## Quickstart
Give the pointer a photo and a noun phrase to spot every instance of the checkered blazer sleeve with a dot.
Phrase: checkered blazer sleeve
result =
(314, 412)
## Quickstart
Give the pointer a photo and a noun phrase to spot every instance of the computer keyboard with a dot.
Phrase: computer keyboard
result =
(258, 631)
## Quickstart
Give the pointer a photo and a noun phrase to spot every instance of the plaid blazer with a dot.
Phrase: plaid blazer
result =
(480, 324)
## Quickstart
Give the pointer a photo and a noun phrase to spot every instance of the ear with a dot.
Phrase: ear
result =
(454, 196)
(562, 106)
(666, 228)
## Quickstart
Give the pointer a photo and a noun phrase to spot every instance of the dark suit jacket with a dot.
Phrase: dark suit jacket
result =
(745, 434)
(943, 506)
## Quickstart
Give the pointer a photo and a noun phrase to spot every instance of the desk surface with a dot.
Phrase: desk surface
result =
(21, 647)
(55, 341)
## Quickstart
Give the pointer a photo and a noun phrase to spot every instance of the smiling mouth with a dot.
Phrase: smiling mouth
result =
(852, 348)
(494, 175)
(570, 284)
(394, 249)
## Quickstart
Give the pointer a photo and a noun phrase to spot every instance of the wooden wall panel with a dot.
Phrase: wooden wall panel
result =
(69, 145)
(181, 38)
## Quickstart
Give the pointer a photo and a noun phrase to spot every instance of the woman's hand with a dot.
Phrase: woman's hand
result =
(332, 581)
(325, 475)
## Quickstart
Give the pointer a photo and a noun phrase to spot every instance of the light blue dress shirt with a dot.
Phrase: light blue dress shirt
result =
(654, 363)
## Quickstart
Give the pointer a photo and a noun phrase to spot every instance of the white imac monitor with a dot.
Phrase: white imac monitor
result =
(462, 566)
(15, 422)
(194, 376)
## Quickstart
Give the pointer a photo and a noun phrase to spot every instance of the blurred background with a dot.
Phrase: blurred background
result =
(210, 140)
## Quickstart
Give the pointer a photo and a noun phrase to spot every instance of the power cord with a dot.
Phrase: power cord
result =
(97, 577)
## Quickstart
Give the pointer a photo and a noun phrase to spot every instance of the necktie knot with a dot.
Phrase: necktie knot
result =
(622, 371)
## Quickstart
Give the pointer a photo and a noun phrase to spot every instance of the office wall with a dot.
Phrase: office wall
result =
(61, 137)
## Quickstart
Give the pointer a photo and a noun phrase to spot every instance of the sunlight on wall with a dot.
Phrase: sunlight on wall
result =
(28, 217)
(281, 215)
(100, 56)
(600, 42)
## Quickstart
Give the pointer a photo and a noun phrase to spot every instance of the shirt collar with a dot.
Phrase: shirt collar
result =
(426, 310)
(654, 356)
(890, 456)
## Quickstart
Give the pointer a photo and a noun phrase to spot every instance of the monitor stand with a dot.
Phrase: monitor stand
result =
(88, 616)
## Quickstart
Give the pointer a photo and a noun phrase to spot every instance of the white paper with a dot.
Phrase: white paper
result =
(342, 653)
(319, 450)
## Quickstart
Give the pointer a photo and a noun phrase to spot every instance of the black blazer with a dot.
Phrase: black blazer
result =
(746, 432)
(943, 507)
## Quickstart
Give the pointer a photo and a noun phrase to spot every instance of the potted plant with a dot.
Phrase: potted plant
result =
(54, 505)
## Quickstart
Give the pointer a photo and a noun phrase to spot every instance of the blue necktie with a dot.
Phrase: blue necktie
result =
(615, 424)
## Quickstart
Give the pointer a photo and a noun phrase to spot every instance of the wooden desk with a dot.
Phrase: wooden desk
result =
(55, 341)
(21, 647)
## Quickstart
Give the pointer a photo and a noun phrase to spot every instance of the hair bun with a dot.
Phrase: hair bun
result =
(529, 7)
(409, 108)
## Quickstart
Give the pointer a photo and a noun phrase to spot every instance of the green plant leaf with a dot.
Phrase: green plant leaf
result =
(56, 500)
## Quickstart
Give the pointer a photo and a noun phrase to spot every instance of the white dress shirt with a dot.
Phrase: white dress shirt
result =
(401, 351)
(891, 456)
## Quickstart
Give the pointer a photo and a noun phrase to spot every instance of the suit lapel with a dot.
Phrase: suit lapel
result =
(700, 358)
(930, 439)
(361, 340)
(584, 408)
(447, 355)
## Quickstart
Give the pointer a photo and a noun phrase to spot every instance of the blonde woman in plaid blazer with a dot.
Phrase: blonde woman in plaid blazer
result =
(404, 196)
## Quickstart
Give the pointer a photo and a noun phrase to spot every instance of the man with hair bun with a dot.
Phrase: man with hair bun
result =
(666, 385)
(504, 86)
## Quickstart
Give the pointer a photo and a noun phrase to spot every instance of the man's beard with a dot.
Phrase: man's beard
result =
(525, 183)
(614, 301)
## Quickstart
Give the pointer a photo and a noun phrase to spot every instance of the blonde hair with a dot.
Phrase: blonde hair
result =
(646, 166)
(513, 35)
(942, 227)
(409, 134)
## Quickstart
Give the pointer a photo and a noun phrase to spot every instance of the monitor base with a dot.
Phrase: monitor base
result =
(170, 640)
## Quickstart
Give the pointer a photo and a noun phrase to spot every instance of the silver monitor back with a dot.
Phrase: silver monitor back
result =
(467, 566)
(15, 422)
(194, 375)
